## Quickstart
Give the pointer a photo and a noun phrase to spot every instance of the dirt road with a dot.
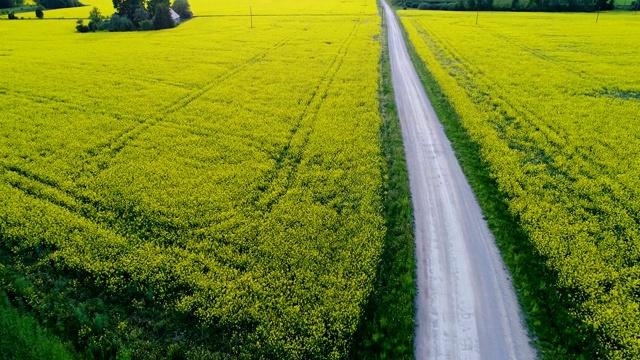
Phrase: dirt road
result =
(466, 304)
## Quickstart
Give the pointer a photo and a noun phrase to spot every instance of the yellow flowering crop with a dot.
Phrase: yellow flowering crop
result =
(554, 102)
(240, 7)
(210, 190)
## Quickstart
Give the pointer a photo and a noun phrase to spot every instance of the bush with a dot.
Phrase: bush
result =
(140, 15)
(39, 12)
(152, 5)
(104, 26)
(146, 25)
(162, 19)
(12, 16)
(183, 8)
(22, 337)
(120, 23)
(81, 27)
(93, 26)
(114, 22)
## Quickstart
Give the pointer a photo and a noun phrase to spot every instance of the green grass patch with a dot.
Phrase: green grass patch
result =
(387, 328)
(556, 332)
(621, 94)
(21, 337)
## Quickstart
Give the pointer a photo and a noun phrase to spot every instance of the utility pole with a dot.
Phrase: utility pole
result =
(637, 3)
(598, 14)
(251, 16)
(478, 10)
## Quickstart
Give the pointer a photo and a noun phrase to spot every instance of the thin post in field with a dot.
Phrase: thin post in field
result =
(478, 11)
(598, 14)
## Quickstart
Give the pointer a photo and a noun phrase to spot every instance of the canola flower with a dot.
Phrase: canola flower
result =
(211, 190)
(553, 102)
(226, 8)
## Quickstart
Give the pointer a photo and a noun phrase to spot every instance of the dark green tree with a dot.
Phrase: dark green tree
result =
(183, 8)
(162, 19)
(153, 4)
(39, 12)
(81, 27)
(120, 23)
(4, 4)
(95, 15)
(139, 16)
(146, 25)
(604, 4)
(127, 7)
(57, 4)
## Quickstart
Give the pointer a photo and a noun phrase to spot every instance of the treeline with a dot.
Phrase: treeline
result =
(133, 15)
(58, 4)
(509, 5)
(4, 4)
(47, 4)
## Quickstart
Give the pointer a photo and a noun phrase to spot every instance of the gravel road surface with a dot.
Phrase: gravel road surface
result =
(466, 306)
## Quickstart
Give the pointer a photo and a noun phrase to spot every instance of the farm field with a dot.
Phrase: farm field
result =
(211, 191)
(240, 7)
(553, 103)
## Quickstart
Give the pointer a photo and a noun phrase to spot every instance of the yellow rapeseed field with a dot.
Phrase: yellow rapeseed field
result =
(207, 191)
(554, 102)
(240, 7)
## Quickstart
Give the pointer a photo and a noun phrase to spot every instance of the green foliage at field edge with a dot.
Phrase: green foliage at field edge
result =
(17, 10)
(556, 333)
(21, 337)
(386, 330)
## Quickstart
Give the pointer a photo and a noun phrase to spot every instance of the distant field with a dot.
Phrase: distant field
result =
(207, 191)
(240, 7)
(553, 101)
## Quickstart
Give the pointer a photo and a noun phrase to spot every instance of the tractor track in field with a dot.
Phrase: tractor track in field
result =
(466, 307)
(290, 156)
(112, 147)
(88, 208)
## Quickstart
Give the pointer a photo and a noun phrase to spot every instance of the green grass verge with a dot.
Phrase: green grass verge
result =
(387, 328)
(556, 332)
(21, 337)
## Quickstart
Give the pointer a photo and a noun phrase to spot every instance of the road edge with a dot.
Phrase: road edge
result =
(387, 327)
(554, 332)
